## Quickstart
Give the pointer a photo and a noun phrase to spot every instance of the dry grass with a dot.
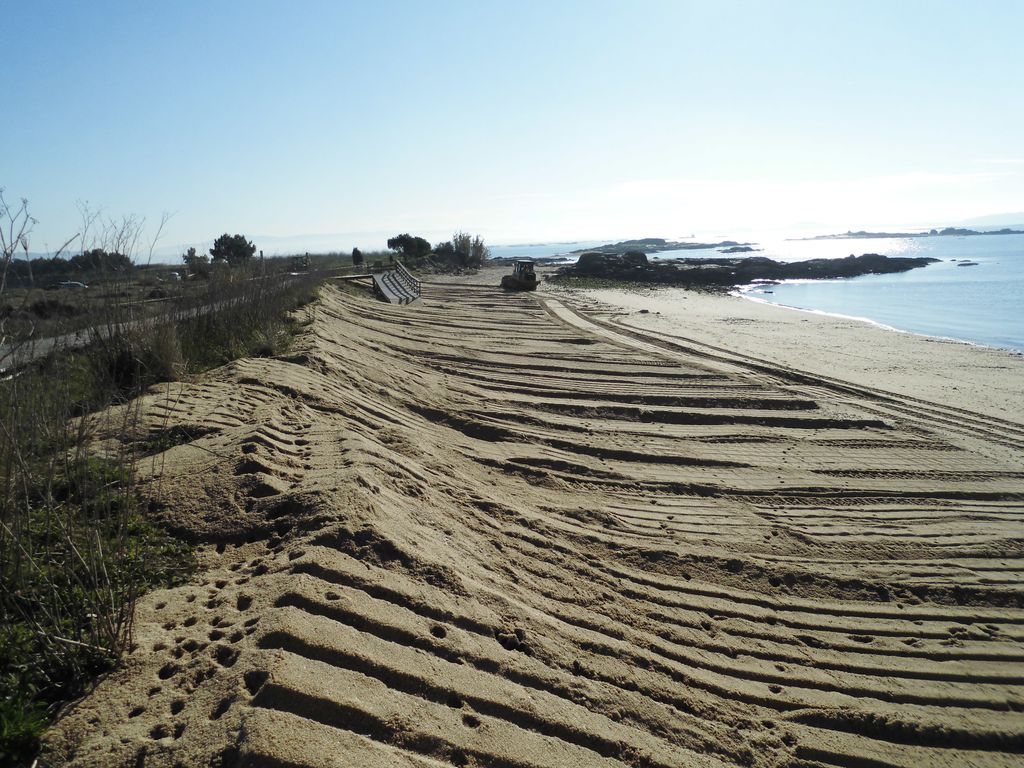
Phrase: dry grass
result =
(76, 549)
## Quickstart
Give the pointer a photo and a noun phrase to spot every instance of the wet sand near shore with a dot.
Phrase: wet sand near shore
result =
(507, 530)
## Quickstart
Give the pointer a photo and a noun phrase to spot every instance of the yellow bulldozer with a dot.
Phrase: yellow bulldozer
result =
(523, 278)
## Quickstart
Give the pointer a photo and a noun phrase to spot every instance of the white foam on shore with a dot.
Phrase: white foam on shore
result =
(821, 312)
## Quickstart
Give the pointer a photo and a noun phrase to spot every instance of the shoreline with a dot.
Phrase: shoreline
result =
(876, 323)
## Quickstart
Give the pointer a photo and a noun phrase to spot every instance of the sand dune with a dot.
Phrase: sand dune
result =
(495, 530)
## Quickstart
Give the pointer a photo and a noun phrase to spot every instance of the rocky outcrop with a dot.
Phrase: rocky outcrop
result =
(633, 266)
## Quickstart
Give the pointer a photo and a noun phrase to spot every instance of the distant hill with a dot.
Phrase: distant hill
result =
(1013, 220)
(945, 232)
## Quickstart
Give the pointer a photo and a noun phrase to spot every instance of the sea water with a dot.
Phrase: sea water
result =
(981, 303)
(542, 250)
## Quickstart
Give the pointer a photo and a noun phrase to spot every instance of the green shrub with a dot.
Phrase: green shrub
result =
(463, 251)
(234, 249)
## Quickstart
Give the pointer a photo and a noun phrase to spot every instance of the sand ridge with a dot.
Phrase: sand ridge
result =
(496, 530)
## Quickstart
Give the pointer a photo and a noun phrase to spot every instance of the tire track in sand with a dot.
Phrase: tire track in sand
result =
(482, 531)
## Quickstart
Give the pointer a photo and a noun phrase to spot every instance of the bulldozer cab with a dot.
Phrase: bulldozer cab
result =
(522, 268)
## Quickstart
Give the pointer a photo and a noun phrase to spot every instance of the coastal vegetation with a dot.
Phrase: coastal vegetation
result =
(77, 547)
(410, 246)
(234, 249)
(83, 266)
(462, 251)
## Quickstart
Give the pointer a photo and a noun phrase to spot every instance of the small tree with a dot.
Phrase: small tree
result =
(234, 249)
(196, 263)
(446, 252)
(410, 246)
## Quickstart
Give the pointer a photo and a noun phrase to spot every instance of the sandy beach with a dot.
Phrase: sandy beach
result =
(525, 530)
(954, 373)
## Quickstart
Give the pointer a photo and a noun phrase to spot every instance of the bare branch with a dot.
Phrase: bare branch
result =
(15, 226)
(68, 242)
(164, 218)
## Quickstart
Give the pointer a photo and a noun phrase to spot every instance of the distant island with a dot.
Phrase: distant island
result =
(644, 245)
(947, 232)
(724, 273)
(657, 244)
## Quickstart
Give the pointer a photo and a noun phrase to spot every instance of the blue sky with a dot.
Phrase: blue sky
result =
(521, 121)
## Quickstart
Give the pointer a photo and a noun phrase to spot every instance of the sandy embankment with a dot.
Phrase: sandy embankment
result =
(495, 530)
